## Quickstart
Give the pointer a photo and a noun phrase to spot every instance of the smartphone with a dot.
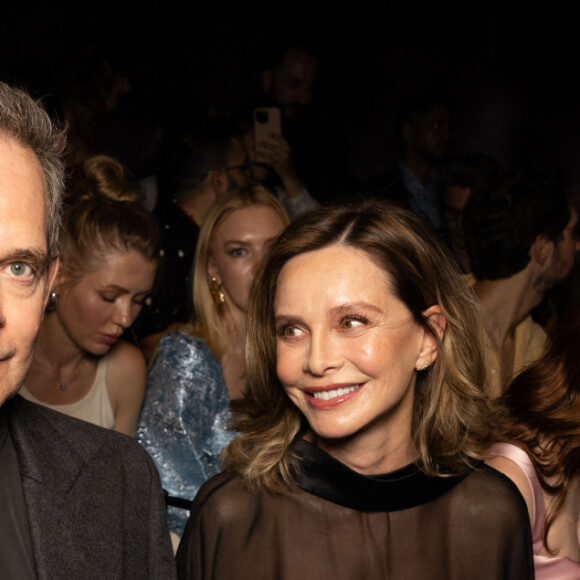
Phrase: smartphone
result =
(266, 122)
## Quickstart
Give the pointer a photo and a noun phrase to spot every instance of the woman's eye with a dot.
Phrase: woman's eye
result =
(289, 332)
(238, 252)
(109, 298)
(20, 269)
(352, 322)
(140, 301)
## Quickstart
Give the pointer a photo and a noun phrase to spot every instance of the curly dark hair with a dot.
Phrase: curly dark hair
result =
(501, 224)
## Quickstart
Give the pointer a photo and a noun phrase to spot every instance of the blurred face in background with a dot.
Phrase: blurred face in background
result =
(236, 249)
(562, 258)
(237, 170)
(95, 310)
(291, 82)
(429, 132)
(455, 197)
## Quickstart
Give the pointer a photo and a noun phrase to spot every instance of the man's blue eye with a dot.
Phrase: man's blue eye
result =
(19, 269)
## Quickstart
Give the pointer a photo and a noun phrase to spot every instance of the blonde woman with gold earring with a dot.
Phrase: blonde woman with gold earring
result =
(200, 368)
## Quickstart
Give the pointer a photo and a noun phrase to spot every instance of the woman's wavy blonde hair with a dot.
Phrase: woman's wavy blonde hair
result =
(209, 322)
(452, 419)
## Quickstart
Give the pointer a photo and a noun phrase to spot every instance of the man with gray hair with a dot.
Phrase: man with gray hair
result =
(77, 501)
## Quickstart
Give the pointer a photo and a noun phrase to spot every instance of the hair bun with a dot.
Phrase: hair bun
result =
(106, 178)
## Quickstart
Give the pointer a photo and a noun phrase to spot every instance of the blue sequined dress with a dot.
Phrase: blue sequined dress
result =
(184, 418)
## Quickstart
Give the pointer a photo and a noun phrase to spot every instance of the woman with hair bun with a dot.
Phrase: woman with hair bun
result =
(360, 454)
(108, 259)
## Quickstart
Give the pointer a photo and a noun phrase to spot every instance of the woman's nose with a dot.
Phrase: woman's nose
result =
(123, 316)
(323, 355)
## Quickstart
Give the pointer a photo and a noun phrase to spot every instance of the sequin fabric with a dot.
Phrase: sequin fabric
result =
(184, 418)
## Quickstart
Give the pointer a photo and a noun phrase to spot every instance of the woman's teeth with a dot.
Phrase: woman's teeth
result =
(325, 395)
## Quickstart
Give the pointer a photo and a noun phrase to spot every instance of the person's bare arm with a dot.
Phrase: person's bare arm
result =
(126, 376)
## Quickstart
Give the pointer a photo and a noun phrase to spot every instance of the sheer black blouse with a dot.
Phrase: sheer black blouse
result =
(343, 525)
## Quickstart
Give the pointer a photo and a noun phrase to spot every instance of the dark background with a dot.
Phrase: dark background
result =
(510, 70)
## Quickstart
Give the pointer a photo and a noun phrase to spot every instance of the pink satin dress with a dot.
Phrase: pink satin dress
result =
(546, 567)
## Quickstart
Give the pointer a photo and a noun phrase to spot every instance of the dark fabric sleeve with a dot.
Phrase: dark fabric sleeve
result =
(16, 556)
(161, 560)
(93, 498)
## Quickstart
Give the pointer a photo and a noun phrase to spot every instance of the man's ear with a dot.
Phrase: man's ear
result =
(218, 179)
(267, 76)
(541, 251)
(437, 322)
(54, 275)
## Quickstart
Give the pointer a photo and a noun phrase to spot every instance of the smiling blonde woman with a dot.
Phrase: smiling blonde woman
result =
(363, 421)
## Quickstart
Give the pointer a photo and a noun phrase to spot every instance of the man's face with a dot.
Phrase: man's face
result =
(562, 260)
(455, 197)
(24, 273)
(291, 83)
(430, 132)
(238, 170)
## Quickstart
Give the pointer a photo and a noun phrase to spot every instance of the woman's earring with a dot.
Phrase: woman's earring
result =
(423, 367)
(51, 303)
(216, 292)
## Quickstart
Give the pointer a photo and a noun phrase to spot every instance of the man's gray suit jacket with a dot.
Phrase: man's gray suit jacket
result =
(93, 497)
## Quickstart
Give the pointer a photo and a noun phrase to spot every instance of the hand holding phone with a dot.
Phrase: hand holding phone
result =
(266, 123)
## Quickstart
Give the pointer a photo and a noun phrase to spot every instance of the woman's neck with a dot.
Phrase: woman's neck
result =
(236, 323)
(54, 347)
(233, 359)
(61, 373)
(374, 454)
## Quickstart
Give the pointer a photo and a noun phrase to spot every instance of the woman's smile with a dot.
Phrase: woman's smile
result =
(331, 396)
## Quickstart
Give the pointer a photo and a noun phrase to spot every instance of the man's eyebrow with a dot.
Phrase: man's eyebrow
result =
(38, 258)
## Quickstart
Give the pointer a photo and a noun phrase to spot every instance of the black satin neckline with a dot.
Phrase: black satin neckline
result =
(322, 475)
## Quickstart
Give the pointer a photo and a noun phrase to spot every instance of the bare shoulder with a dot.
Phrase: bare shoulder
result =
(126, 377)
(125, 359)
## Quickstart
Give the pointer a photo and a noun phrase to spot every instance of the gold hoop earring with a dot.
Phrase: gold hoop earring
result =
(216, 292)
(52, 302)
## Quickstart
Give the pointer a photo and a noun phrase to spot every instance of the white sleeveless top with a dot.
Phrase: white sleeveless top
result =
(95, 407)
